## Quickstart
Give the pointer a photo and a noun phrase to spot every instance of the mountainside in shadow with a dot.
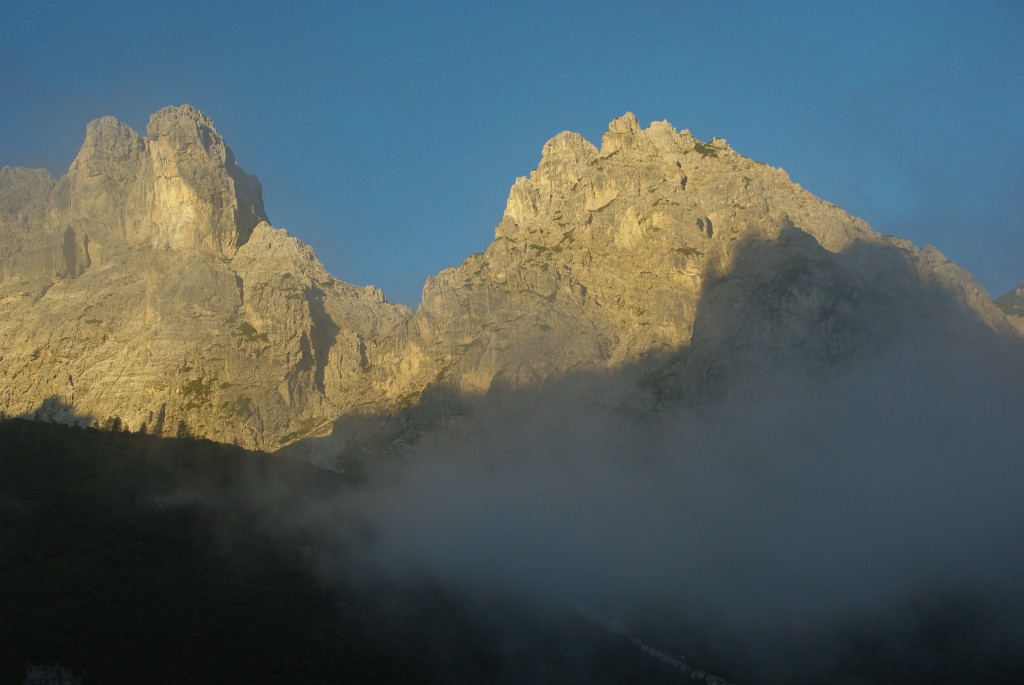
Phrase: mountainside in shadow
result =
(129, 558)
(1012, 304)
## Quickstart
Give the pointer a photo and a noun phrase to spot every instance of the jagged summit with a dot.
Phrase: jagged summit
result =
(185, 121)
(192, 165)
(179, 188)
(605, 258)
(107, 141)
(130, 288)
(622, 133)
(147, 284)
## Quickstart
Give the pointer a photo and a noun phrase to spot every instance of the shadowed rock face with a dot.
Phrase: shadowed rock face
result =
(146, 284)
(1012, 304)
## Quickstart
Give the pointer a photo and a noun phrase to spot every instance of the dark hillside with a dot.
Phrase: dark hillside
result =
(127, 558)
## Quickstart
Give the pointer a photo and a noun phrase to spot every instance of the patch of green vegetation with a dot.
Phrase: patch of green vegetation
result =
(198, 387)
(93, 321)
(198, 392)
(705, 149)
(568, 238)
(250, 334)
(687, 251)
(225, 385)
(240, 407)
(305, 428)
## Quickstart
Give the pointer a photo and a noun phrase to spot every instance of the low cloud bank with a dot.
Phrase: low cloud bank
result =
(769, 519)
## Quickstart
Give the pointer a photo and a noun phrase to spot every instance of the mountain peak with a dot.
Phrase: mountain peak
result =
(657, 249)
(627, 123)
(107, 130)
(568, 146)
(107, 141)
(623, 133)
(186, 126)
(177, 115)
(203, 200)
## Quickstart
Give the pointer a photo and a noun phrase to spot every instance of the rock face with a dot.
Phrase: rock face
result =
(1012, 304)
(147, 286)
(662, 249)
(179, 188)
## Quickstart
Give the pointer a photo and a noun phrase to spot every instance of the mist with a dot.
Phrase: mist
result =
(766, 523)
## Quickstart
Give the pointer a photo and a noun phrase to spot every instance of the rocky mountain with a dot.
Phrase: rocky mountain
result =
(660, 246)
(147, 288)
(1012, 304)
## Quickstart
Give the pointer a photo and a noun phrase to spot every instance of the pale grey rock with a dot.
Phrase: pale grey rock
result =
(26, 246)
(607, 260)
(147, 285)
(201, 199)
(179, 188)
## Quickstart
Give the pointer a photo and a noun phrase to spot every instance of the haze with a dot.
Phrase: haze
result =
(768, 523)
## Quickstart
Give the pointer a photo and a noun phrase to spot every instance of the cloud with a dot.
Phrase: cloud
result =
(771, 518)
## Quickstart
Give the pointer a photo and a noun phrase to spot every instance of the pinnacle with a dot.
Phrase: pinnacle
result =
(625, 132)
(108, 142)
(106, 130)
(568, 145)
(184, 119)
(627, 123)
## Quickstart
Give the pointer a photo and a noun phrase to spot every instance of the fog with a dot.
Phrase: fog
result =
(767, 520)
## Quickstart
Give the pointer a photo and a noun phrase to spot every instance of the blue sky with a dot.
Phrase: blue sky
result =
(387, 134)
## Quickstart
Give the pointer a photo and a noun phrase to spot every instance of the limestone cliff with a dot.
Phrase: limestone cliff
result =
(146, 286)
(178, 188)
(1012, 304)
(661, 249)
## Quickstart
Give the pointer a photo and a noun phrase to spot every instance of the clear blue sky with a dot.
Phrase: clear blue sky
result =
(387, 134)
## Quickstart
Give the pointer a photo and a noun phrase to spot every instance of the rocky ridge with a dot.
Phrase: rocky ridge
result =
(1012, 304)
(147, 288)
(662, 249)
